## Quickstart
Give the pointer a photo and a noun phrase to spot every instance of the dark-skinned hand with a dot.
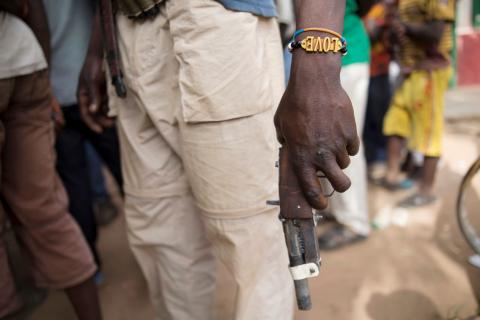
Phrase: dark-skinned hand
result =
(399, 30)
(92, 96)
(315, 124)
(57, 115)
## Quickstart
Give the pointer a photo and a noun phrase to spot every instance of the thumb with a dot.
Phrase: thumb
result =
(95, 98)
(302, 176)
(311, 187)
(88, 109)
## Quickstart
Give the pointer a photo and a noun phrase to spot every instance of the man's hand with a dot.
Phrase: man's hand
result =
(92, 86)
(399, 30)
(315, 121)
(92, 96)
(57, 115)
(316, 126)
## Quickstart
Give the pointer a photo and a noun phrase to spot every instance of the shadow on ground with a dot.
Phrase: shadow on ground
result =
(402, 305)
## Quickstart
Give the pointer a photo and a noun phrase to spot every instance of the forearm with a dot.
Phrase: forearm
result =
(364, 6)
(18, 8)
(374, 29)
(429, 33)
(95, 47)
(36, 19)
(320, 13)
(324, 14)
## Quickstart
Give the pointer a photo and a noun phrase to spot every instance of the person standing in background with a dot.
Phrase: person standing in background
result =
(70, 24)
(415, 117)
(104, 209)
(379, 92)
(350, 208)
(32, 195)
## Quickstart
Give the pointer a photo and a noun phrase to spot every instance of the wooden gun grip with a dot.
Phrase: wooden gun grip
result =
(293, 204)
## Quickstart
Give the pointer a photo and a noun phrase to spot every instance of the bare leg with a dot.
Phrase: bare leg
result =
(394, 151)
(84, 298)
(428, 175)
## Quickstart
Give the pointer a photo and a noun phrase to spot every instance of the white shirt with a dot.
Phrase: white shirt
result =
(20, 52)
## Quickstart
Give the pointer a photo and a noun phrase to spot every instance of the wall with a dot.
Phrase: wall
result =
(468, 59)
(468, 43)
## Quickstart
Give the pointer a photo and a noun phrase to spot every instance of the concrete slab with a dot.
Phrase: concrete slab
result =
(462, 102)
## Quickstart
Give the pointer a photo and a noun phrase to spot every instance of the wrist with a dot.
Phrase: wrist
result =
(315, 68)
(94, 62)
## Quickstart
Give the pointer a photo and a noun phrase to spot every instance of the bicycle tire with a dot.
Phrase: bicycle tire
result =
(468, 231)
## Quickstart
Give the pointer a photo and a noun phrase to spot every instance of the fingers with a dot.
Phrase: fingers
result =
(343, 160)
(310, 185)
(86, 109)
(327, 163)
(278, 129)
(353, 146)
(280, 138)
(105, 122)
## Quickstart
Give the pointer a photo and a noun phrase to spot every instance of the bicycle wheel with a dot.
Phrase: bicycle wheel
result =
(468, 205)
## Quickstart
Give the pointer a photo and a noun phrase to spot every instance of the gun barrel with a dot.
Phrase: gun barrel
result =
(296, 257)
(302, 293)
(299, 230)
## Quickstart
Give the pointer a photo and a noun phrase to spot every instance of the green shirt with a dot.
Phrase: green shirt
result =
(358, 43)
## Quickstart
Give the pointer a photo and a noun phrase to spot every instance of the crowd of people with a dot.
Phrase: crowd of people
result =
(196, 137)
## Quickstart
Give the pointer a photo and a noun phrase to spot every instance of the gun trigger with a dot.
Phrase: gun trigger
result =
(273, 202)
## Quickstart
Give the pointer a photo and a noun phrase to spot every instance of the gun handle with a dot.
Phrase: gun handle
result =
(293, 204)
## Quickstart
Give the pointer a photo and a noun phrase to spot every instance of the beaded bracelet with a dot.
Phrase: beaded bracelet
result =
(318, 44)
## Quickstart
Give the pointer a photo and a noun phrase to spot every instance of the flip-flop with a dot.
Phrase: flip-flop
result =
(395, 186)
(326, 216)
(417, 200)
(338, 237)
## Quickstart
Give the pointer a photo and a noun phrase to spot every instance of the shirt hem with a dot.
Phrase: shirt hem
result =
(259, 10)
(71, 283)
(23, 70)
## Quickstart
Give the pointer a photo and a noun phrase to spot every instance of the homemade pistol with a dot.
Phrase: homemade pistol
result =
(299, 223)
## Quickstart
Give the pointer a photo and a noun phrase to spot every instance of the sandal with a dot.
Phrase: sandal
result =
(338, 237)
(395, 186)
(417, 200)
(325, 216)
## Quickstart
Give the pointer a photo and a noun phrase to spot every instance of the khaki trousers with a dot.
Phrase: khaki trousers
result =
(198, 150)
(351, 207)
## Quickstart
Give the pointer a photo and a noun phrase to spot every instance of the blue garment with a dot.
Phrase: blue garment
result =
(265, 8)
(97, 180)
(70, 24)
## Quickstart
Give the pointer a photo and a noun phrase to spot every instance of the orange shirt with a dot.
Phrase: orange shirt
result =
(414, 54)
(380, 51)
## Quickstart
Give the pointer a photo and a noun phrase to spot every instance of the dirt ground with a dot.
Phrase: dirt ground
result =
(414, 269)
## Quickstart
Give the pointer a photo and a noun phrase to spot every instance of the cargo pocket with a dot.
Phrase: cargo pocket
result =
(150, 68)
(223, 72)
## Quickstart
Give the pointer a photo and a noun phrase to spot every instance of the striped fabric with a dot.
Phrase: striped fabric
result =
(421, 11)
